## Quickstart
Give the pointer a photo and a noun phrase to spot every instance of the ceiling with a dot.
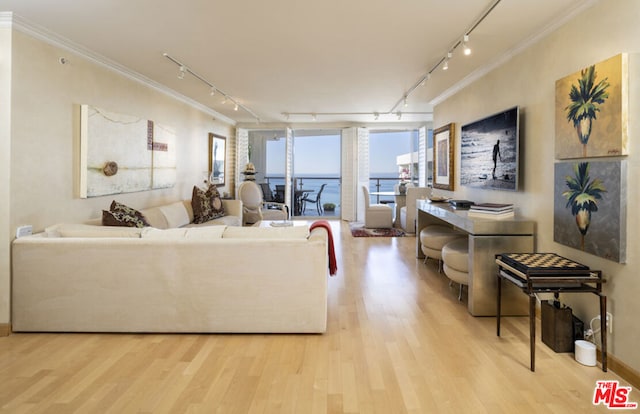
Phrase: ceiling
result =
(348, 58)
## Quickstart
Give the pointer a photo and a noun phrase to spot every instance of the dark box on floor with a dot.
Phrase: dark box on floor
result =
(560, 329)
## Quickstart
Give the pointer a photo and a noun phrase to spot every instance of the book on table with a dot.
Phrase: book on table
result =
(491, 214)
(492, 207)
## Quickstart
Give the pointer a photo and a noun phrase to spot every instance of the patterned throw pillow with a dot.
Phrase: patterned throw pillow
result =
(207, 205)
(122, 215)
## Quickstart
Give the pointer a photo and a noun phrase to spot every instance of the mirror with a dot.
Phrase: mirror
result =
(217, 156)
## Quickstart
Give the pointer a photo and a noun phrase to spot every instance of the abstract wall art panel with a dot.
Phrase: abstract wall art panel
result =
(590, 200)
(591, 111)
(123, 154)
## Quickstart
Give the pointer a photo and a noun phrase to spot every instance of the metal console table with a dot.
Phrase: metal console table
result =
(549, 273)
(487, 237)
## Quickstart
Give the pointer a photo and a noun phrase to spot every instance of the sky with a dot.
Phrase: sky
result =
(321, 154)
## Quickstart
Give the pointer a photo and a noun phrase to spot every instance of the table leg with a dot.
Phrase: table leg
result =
(532, 329)
(603, 330)
(498, 307)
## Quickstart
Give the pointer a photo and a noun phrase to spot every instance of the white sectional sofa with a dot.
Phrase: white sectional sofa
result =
(180, 214)
(84, 278)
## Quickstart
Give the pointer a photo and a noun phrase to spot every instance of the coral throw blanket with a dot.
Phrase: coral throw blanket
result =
(333, 265)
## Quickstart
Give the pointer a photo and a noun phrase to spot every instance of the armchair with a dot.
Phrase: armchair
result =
(408, 211)
(255, 209)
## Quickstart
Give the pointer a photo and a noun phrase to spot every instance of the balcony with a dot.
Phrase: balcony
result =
(310, 185)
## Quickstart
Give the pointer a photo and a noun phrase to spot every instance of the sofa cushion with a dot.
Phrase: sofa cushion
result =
(293, 232)
(207, 205)
(176, 214)
(155, 217)
(123, 215)
(221, 221)
(197, 233)
(91, 231)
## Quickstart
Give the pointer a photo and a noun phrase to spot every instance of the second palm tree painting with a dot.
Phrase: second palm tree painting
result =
(592, 111)
(590, 207)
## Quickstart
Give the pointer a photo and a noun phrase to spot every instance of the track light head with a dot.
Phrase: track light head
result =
(376, 116)
(235, 107)
(446, 65)
(465, 45)
(399, 115)
(181, 72)
(212, 91)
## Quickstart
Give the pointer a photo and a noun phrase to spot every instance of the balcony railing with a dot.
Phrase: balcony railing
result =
(330, 193)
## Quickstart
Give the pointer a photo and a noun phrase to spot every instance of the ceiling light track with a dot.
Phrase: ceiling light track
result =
(183, 69)
(375, 115)
(444, 61)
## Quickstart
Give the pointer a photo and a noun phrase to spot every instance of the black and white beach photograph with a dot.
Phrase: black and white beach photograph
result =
(489, 152)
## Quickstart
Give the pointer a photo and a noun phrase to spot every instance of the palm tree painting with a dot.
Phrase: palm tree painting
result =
(582, 197)
(592, 111)
(590, 207)
(586, 99)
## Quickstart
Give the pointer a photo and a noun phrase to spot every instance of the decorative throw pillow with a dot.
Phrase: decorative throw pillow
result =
(122, 215)
(207, 205)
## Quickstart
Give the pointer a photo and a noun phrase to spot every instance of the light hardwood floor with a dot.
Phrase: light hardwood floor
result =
(398, 341)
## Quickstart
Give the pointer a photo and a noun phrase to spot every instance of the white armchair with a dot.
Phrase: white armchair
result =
(255, 209)
(376, 216)
(408, 211)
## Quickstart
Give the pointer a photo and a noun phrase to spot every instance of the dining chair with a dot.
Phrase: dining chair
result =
(315, 200)
(376, 216)
(255, 208)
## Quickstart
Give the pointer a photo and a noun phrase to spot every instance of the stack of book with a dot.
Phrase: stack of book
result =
(491, 210)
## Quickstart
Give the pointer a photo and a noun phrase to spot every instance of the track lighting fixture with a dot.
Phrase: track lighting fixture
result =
(465, 45)
(376, 116)
(405, 101)
(399, 114)
(444, 61)
(183, 70)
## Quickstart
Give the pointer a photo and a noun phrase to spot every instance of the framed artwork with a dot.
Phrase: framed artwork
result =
(122, 153)
(591, 111)
(489, 151)
(443, 142)
(217, 157)
(590, 212)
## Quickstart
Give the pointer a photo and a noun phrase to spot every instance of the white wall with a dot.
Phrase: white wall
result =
(528, 80)
(44, 143)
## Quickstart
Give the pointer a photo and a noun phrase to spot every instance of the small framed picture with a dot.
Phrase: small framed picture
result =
(217, 157)
(443, 142)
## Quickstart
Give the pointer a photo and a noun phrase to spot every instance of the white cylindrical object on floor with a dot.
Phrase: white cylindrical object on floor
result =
(585, 353)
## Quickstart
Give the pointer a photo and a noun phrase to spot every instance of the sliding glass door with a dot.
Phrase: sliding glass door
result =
(316, 173)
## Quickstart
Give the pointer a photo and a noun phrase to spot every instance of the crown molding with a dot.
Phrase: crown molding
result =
(527, 43)
(12, 20)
